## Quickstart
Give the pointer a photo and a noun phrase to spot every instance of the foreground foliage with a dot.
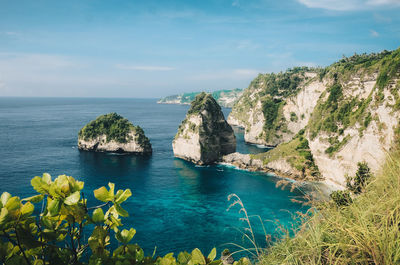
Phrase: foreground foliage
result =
(364, 232)
(56, 235)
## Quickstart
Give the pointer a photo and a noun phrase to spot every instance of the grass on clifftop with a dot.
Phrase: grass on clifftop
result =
(114, 126)
(365, 232)
(296, 152)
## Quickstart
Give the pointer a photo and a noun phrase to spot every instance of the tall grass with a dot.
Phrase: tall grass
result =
(365, 232)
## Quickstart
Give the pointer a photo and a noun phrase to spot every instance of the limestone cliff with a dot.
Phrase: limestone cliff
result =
(353, 117)
(204, 136)
(276, 106)
(358, 117)
(113, 133)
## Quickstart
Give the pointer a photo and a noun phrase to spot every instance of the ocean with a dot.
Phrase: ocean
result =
(175, 205)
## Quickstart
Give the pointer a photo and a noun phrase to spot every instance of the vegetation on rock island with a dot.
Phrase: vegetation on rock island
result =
(54, 232)
(114, 127)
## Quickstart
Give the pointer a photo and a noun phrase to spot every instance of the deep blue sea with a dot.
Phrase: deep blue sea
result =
(175, 205)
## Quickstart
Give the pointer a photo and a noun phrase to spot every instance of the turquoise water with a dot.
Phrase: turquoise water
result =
(175, 205)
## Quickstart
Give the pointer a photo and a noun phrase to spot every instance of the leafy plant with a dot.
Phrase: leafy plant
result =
(56, 234)
(341, 197)
(363, 175)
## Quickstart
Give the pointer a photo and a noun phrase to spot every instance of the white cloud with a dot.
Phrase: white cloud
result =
(374, 33)
(349, 5)
(235, 3)
(144, 67)
(227, 74)
(383, 2)
(11, 33)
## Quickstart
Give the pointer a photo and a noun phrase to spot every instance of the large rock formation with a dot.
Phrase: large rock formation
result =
(343, 114)
(204, 136)
(113, 133)
(277, 106)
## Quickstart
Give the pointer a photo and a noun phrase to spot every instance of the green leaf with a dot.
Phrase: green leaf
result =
(39, 185)
(183, 258)
(3, 216)
(46, 178)
(38, 262)
(244, 261)
(54, 207)
(98, 215)
(27, 209)
(121, 197)
(73, 198)
(112, 186)
(125, 236)
(103, 195)
(98, 240)
(34, 199)
(4, 198)
(212, 254)
(13, 203)
(121, 211)
(197, 257)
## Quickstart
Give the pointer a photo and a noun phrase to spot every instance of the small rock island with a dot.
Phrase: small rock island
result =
(113, 133)
(204, 136)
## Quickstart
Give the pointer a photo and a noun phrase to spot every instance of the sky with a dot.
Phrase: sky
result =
(150, 49)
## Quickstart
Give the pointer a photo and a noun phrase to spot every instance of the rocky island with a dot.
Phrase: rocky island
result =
(225, 98)
(113, 133)
(204, 136)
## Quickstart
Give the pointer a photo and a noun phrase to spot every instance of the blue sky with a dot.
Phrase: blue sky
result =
(156, 48)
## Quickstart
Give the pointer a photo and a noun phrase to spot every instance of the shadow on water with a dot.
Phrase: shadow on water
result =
(111, 165)
(201, 179)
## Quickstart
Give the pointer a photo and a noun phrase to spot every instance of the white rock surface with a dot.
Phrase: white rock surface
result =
(100, 144)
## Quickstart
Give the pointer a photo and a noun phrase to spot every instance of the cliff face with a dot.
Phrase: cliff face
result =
(275, 107)
(204, 136)
(225, 98)
(113, 133)
(346, 114)
(358, 117)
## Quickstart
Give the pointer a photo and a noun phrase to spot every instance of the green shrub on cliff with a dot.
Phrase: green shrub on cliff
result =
(363, 175)
(115, 127)
(56, 233)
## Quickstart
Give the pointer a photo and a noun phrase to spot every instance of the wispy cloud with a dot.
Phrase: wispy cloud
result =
(383, 2)
(349, 5)
(227, 74)
(11, 33)
(374, 33)
(150, 68)
(235, 3)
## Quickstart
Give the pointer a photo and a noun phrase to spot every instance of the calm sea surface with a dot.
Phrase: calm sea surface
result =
(175, 205)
